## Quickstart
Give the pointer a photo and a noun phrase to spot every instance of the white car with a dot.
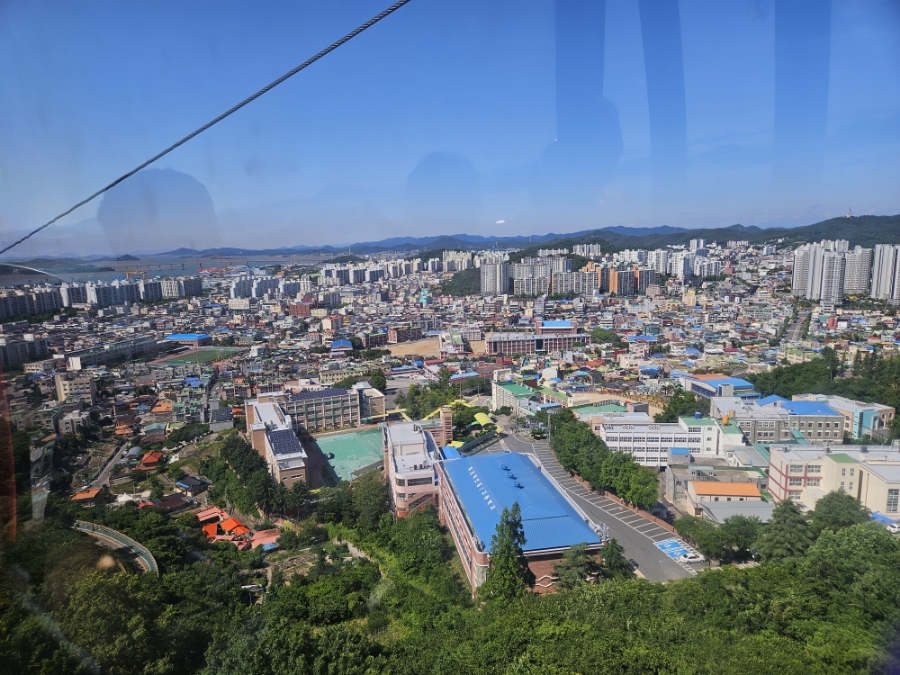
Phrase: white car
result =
(691, 558)
(894, 528)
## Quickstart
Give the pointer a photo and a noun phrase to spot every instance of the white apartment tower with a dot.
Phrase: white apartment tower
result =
(857, 270)
(886, 273)
(494, 278)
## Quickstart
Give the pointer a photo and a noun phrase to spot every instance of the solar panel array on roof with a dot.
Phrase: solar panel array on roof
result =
(221, 415)
(284, 442)
(322, 393)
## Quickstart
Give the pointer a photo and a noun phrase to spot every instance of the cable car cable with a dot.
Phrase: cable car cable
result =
(349, 36)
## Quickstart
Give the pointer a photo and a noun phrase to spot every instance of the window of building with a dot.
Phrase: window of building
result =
(794, 495)
(419, 481)
(852, 470)
(795, 468)
(795, 482)
(851, 486)
(844, 472)
(401, 495)
(401, 482)
(813, 482)
(893, 499)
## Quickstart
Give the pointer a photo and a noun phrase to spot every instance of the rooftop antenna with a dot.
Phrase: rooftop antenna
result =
(849, 213)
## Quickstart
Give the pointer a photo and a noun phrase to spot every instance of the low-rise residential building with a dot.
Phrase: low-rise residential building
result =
(529, 343)
(703, 491)
(652, 443)
(861, 419)
(109, 352)
(774, 419)
(711, 385)
(272, 436)
(78, 385)
(806, 473)
(409, 455)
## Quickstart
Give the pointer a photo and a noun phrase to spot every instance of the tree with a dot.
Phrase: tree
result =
(370, 500)
(706, 536)
(681, 403)
(614, 564)
(837, 510)
(577, 567)
(739, 533)
(643, 488)
(603, 336)
(509, 574)
(786, 536)
(377, 380)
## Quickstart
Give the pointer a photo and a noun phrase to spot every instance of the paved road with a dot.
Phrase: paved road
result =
(115, 539)
(103, 477)
(795, 330)
(637, 535)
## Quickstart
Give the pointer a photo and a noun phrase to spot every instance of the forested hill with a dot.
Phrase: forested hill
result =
(862, 230)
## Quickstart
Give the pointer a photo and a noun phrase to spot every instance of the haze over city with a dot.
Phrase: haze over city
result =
(488, 118)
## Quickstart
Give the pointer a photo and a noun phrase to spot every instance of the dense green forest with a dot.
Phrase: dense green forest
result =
(874, 379)
(825, 598)
(461, 284)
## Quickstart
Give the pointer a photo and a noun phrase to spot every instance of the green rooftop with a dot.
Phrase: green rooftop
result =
(702, 422)
(516, 389)
(597, 409)
(841, 458)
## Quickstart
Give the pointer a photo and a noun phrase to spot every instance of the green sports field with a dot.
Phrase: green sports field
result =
(352, 451)
(202, 355)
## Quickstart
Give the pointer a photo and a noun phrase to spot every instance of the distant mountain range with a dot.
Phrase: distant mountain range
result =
(861, 230)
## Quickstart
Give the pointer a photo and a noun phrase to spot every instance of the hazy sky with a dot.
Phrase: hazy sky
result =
(447, 117)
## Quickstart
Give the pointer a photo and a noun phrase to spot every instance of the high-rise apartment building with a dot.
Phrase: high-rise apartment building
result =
(495, 278)
(857, 270)
(886, 273)
(826, 270)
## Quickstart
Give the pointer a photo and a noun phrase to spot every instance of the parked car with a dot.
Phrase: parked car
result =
(894, 528)
(692, 558)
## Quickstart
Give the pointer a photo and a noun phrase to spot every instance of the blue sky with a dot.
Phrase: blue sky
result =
(446, 117)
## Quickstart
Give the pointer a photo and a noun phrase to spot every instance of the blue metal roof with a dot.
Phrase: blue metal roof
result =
(809, 408)
(557, 324)
(770, 399)
(680, 451)
(187, 336)
(486, 484)
(341, 344)
(449, 452)
(641, 338)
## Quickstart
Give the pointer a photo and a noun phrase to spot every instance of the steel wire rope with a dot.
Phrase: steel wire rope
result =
(349, 36)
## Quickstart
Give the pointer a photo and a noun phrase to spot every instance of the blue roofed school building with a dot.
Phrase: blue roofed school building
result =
(473, 491)
(712, 385)
(195, 340)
